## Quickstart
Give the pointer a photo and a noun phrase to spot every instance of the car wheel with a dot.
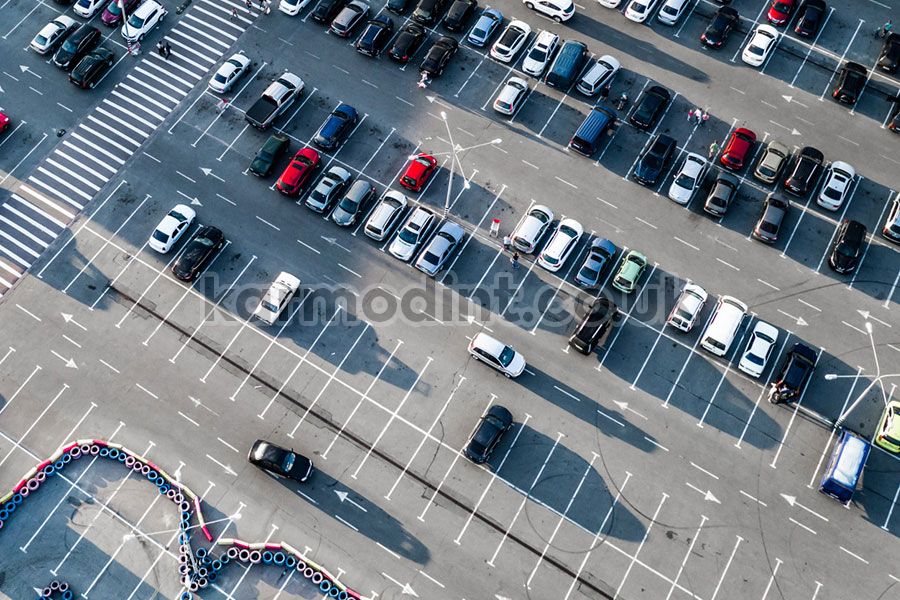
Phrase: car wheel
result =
(507, 375)
(529, 5)
(558, 19)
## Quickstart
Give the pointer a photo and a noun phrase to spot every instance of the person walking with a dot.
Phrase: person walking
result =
(690, 115)
(168, 47)
(697, 113)
(234, 13)
(713, 149)
(506, 242)
(887, 27)
(704, 118)
(248, 4)
(161, 48)
(515, 260)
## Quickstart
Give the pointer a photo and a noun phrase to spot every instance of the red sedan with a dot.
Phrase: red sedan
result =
(418, 172)
(738, 148)
(4, 122)
(780, 12)
(298, 172)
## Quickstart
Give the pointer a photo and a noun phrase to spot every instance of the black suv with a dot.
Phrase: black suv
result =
(595, 326)
(795, 372)
(720, 27)
(438, 56)
(652, 162)
(91, 68)
(850, 83)
(77, 45)
(650, 107)
(806, 171)
(427, 11)
(326, 10)
(847, 246)
(458, 15)
(375, 36)
(493, 425)
(277, 460)
(407, 42)
(890, 53)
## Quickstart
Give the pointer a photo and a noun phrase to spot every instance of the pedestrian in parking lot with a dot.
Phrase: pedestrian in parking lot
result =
(248, 4)
(704, 118)
(698, 114)
(161, 48)
(690, 115)
(506, 242)
(515, 260)
(604, 93)
(887, 27)
(713, 149)
(168, 50)
(234, 14)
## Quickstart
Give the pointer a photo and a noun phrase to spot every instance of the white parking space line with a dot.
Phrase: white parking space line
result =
(764, 389)
(634, 305)
(515, 294)
(641, 545)
(778, 563)
(686, 361)
(18, 443)
(870, 240)
(737, 350)
(811, 47)
(737, 543)
(687, 555)
(219, 114)
(577, 261)
(20, 388)
(841, 60)
(750, 31)
(787, 429)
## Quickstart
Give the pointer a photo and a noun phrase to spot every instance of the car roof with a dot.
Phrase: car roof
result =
(765, 329)
(488, 343)
(804, 351)
(501, 413)
(811, 152)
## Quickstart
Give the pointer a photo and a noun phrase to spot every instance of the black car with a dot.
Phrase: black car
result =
(397, 6)
(720, 27)
(92, 67)
(722, 194)
(795, 372)
(650, 107)
(277, 460)
(806, 171)
(336, 127)
(438, 56)
(76, 46)
(427, 11)
(851, 81)
(326, 10)
(375, 36)
(459, 14)
(847, 246)
(809, 18)
(407, 42)
(270, 152)
(493, 425)
(771, 219)
(653, 161)
(890, 53)
(595, 326)
(198, 252)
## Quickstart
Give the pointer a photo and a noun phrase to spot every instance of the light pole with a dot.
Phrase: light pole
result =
(455, 150)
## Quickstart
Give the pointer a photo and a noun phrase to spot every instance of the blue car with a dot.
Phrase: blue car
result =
(488, 22)
(598, 259)
(336, 127)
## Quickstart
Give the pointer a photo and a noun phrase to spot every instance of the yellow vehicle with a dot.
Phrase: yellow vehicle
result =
(888, 434)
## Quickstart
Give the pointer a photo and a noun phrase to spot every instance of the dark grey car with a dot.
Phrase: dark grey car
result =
(722, 194)
(353, 203)
(774, 211)
(349, 16)
(440, 248)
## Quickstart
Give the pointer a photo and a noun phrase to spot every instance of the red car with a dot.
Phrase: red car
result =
(112, 14)
(418, 172)
(738, 148)
(780, 12)
(4, 122)
(298, 172)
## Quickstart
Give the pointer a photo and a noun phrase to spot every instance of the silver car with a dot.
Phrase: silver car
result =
(772, 162)
(328, 189)
(412, 234)
(441, 247)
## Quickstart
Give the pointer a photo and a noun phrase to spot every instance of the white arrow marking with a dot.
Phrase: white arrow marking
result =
(797, 102)
(867, 315)
(344, 497)
(707, 495)
(209, 173)
(2, 91)
(226, 468)
(624, 406)
(70, 364)
(788, 98)
(334, 242)
(407, 590)
(792, 501)
(69, 319)
(27, 69)
(795, 132)
(195, 202)
(430, 99)
(799, 320)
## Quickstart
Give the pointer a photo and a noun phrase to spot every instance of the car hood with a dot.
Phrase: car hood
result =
(517, 365)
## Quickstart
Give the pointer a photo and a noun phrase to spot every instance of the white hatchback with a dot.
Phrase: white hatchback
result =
(540, 53)
(510, 41)
(688, 178)
(837, 184)
(558, 10)
(52, 33)
(88, 8)
(143, 20)
(171, 228)
(561, 244)
(531, 228)
(412, 234)
(640, 10)
(686, 310)
(292, 7)
(231, 70)
(760, 45)
(497, 354)
(510, 97)
(759, 349)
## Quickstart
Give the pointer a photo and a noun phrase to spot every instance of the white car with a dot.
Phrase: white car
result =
(837, 184)
(610, 3)
(686, 310)
(53, 33)
(688, 178)
(760, 45)
(292, 7)
(511, 96)
(412, 234)
(277, 297)
(561, 244)
(172, 227)
(671, 11)
(598, 76)
(540, 53)
(497, 354)
(639, 10)
(231, 70)
(143, 20)
(531, 228)
(88, 8)
(759, 349)
(558, 10)
(511, 41)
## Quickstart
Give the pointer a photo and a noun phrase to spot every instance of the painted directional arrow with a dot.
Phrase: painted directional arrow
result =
(226, 468)
(624, 406)
(333, 241)
(209, 173)
(799, 320)
(707, 495)
(792, 501)
(790, 99)
(70, 364)
(344, 497)
(405, 587)
(430, 99)
(70, 319)
(2, 91)
(27, 69)
(867, 316)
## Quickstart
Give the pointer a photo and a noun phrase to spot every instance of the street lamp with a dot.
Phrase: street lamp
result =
(455, 150)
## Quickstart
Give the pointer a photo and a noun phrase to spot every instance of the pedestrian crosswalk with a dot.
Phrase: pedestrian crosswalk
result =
(38, 209)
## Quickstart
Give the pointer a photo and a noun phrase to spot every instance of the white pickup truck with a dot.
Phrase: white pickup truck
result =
(280, 94)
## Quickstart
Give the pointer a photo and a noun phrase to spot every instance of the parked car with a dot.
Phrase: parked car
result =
(780, 12)
(541, 52)
(558, 10)
(488, 22)
(419, 170)
(397, 6)
(511, 96)
(887, 435)
(639, 10)
(671, 11)
(737, 149)
(375, 36)
(351, 15)
(438, 56)
(687, 308)
(719, 28)
(174, 225)
(298, 172)
(268, 155)
(459, 14)
(650, 107)
(412, 233)
(774, 211)
(510, 41)
(407, 42)
(440, 248)
(598, 259)
(595, 326)
(837, 184)
(91, 69)
(279, 461)
(386, 215)
(561, 244)
(630, 272)
(495, 422)
(112, 15)
(496, 354)
(891, 229)
(531, 228)
(850, 83)
(148, 16)
(772, 162)
(759, 349)
(653, 161)
(809, 18)
(87, 8)
(328, 189)
(4, 122)
(795, 372)
(277, 297)
(198, 253)
(567, 66)
(428, 11)
(53, 34)
(292, 7)
(336, 127)
(353, 203)
(806, 171)
(760, 45)
(228, 74)
(890, 53)
(76, 46)
(722, 194)
(847, 246)
(598, 76)
(688, 178)
(326, 10)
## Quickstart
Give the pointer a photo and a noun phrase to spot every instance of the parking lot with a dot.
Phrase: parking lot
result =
(648, 469)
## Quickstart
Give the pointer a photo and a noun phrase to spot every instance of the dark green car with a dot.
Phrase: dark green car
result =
(265, 159)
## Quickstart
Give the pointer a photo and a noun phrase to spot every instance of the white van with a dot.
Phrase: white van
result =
(671, 11)
(721, 329)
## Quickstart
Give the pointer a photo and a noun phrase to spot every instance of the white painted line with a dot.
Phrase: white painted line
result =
(778, 563)
(655, 443)
(227, 445)
(353, 527)
(727, 566)
(702, 470)
(388, 550)
(678, 239)
(109, 366)
(646, 223)
(641, 545)
(760, 502)
(145, 390)
(302, 243)
(269, 224)
(854, 555)
(799, 524)
(188, 419)
(431, 579)
(804, 302)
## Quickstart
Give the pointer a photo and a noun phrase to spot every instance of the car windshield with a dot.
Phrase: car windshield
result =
(638, 7)
(135, 21)
(423, 162)
(348, 205)
(537, 54)
(160, 236)
(177, 215)
(408, 236)
(768, 227)
(756, 360)
(623, 282)
(504, 105)
(652, 162)
(832, 193)
(288, 463)
(40, 39)
(431, 258)
(269, 306)
(782, 7)
(69, 45)
(895, 228)
(766, 171)
(669, 10)
(221, 78)
(506, 356)
(479, 33)
(589, 273)
(755, 50)
(113, 8)
(685, 181)
(551, 260)
(846, 250)
(204, 242)
(683, 314)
